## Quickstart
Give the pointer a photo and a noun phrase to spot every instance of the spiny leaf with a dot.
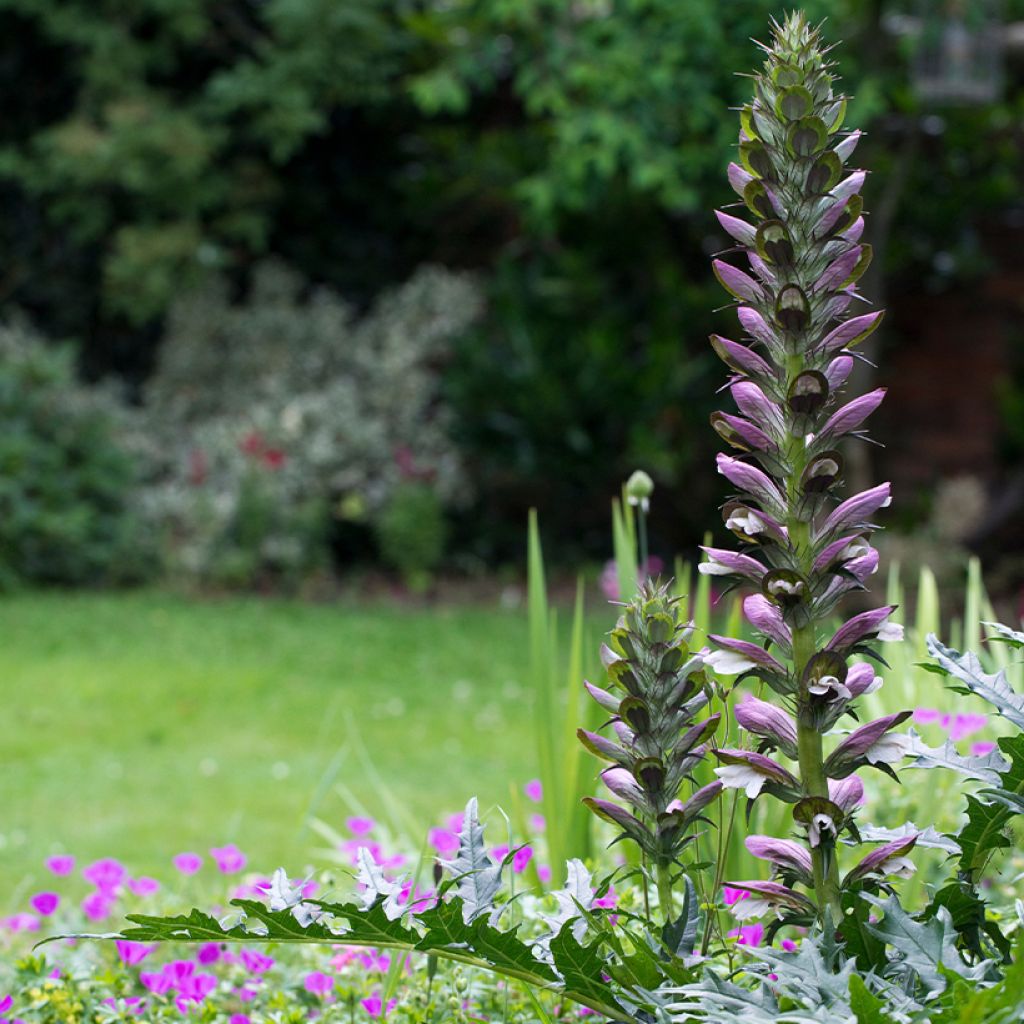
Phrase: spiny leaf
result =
(983, 767)
(1004, 634)
(991, 687)
(580, 967)
(479, 881)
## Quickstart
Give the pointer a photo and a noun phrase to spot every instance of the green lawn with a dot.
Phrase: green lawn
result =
(141, 725)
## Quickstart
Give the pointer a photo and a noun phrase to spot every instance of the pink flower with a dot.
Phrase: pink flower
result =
(106, 874)
(609, 900)
(256, 963)
(521, 858)
(444, 841)
(499, 853)
(373, 1005)
(188, 863)
(534, 790)
(731, 896)
(45, 903)
(22, 922)
(132, 953)
(143, 886)
(97, 905)
(748, 934)
(238, 1018)
(925, 716)
(360, 826)
(208, 953)
(789, 945)
(318, 983)
(6, 1003)
(229, 859)
(544, 873)
(538, 823)
(982, 747)
(61, 865)
(963, 725)
(157, 982)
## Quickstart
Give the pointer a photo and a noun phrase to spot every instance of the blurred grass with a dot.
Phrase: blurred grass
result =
(142, 725)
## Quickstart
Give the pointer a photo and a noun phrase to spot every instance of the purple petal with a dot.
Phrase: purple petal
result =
(837, 371)
(743, 232)
(853, 414)
(854, 232)
(861, 677)
(831, 552)
(766, 617)
(759, 267)
(751, 479)
(623, 785)
(757, 407)
(614, 813)
(784, 852)
(752, 652)
(738, 178)
(830, 218)
(761, 763)
(838, 270)
(736, 282)
(846, 147)
(876, 858)
(739, 357)
(607, 700)
(849, 186)
(755, 325)
(704, 796)
(600, 746)
(864, 738)
(856, 510)
(846, 793)
(860, 627)
(850, 332)
(765, 719)
(753, 438)
(733, 562)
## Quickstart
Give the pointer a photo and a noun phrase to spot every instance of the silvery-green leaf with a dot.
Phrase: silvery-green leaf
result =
(921, 947)
(479, 881)
(376, 885)
(984, 767)
(928, 837)
(1005, 634)
(991, 687)
(577, 893)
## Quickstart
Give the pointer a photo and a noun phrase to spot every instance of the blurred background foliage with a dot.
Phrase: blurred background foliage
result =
(566, 154)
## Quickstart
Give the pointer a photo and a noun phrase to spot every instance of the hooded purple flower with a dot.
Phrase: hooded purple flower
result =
(765, 616)
(870, 625)
(763, 719)
(872, 743)
(783, 853)
(736, 656)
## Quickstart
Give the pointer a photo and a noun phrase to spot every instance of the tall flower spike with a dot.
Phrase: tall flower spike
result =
(657, 697)
(799, 227)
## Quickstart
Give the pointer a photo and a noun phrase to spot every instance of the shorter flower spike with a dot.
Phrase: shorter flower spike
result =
(657, 689)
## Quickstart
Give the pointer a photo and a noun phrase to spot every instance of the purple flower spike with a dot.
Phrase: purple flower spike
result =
(722, 562)
(752, 480)
(763, 719)
(849, 333)
(865, 626)
(855, 512)
(735, 656)
(784, 853)
(766, 617)
(739, 229)
(853, 414)
(742, 286)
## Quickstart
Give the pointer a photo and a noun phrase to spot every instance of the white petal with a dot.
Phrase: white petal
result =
(728, 663)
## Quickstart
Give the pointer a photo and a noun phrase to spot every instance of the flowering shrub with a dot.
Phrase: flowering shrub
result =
(826, 937)
(269, 419)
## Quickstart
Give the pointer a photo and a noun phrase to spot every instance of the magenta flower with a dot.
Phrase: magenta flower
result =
(521, 858)
(61, 865)
(982, 747)
(98, 905)
(229, 859)
(318, 983)
(444, 841)
(132, 953)
(537, 823)
(360, 826)
(144, 886)
(208, 953)
(188, 863)
(45, 903)
(22, 922)
(256, 963)
(544, 873)
(375, 1007)
(239, 1018)
(106, 874)
(731, 896)
(534, 790)
(748, 934)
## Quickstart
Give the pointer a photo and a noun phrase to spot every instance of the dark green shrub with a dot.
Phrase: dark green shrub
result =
(65, 481)
(411, 533)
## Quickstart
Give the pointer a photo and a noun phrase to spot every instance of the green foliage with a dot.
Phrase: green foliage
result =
(411, 532)
(65, 480)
